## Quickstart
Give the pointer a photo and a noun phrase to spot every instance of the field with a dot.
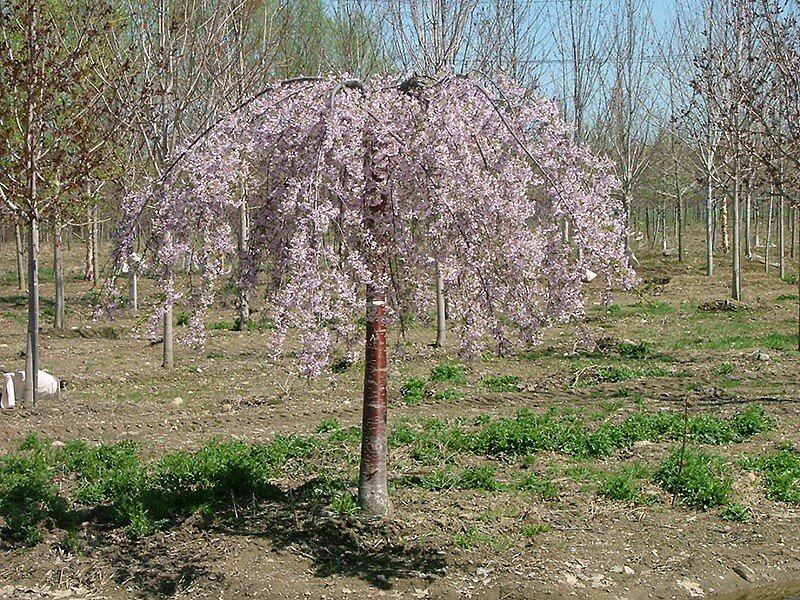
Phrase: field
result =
(662, 463)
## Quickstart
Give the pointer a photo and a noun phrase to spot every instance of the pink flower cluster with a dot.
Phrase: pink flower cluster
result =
(479, 181)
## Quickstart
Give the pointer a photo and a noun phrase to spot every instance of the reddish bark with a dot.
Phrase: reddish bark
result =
(373, 493)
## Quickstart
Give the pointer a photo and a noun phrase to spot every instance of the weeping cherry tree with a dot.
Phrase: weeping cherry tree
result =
(359, 190)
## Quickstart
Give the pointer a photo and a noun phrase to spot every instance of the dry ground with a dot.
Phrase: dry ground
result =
(450, 543)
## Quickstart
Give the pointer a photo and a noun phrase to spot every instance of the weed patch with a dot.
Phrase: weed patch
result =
(535, 529)
(781, 472)
(700, 480)
(735, 512)
(655, 308)
(481, 477)
(594, 374)
(472, 536)
(501, 384)
(28, 494)
(528, 432)
(452, 373)
(543, 488)
(626, 485)
(723, 369)
(447, 395)
(412, 390)
(633, 350)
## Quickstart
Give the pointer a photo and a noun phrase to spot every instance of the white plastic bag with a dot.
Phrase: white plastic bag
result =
(47, 387)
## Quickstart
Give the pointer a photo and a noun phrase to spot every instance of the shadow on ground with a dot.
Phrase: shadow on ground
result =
(376, 551)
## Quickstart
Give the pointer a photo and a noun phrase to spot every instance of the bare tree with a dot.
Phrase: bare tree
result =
(629, 101)
(581, 53)
(47, 50)
(431, 37)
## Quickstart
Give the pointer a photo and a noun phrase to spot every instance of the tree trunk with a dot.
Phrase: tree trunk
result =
(757, 222)
(373, 492)
(709, 227)
(89, 274)
(726, 240)
(58, 271)
(748, 220)
(441, 317)
(710, 212)
(20, 257)
(782, 236)
(32, 358)
(168, 361)
(133, 289)
(736, 269)
(244, 300)
(679, 217)
(768, 245)
(626, 209)
(95, 243)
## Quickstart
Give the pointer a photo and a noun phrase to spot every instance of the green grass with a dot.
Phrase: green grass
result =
(42, 487)
(735, 512)
(781, 473)
(28, 494)
(700, 480)
(655, 308)
(625, 485)
(787, 298)
(722, 338)
(140, 498)
(438, 480)
(501, 383)
(527, 433)
(633, 350)
(412, 390)
(480, 477)
(14, 317)
(535, 529)
(447, 395)
(723, 369)
(452, 373)
(472, 536)
(542, 488)
(594, 374)
(635, 397)
(345, 505)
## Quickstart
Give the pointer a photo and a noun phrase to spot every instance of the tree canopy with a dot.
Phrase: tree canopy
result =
(475, 179)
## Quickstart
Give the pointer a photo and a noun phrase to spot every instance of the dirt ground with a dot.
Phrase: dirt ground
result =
(591, 547)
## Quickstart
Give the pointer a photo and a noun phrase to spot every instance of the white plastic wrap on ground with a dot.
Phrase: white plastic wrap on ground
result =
(14, 387)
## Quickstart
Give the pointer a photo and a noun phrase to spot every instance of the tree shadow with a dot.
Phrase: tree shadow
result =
(156, 568)
(375, 551)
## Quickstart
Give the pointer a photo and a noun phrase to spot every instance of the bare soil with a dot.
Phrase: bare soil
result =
(437, 544)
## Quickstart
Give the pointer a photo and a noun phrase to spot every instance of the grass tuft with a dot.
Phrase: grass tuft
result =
(700, 480)
(501, 384)
(781, 472)
(452, 373)
(412, 391)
